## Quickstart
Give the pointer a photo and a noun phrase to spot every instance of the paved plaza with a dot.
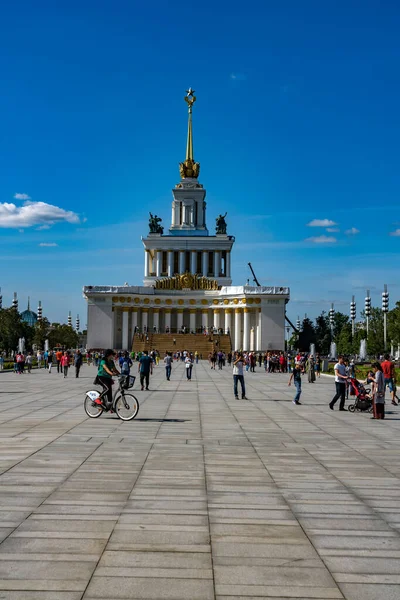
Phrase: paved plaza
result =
(201, 497)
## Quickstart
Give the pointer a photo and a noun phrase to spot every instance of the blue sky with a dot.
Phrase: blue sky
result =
(297, 121)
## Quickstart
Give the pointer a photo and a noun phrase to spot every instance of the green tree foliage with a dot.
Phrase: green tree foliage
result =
(63, 335)
(323, 333)
(375, 340)
(307, 335)
(41, 333)
(12, 328)
(340, 321)
(393, 320)
(344, 340)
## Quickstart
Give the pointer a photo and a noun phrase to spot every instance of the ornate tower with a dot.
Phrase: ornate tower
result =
(188, 205)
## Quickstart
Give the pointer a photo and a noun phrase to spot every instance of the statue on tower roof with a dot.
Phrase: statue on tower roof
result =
(189, 168)
(154, 224)
(220, 224)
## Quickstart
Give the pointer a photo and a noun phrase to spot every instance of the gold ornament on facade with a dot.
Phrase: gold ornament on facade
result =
(114, 298)
(215, 301)
(250, 300)
(129, 299)
(243, 300)
(192, 301)
(235, 301)
(204, 301)
(186, 281)
(257, 300)
(121, 299)
(157, 301)
(137, 300)
(146, 301)
(189, 167)
(180, 301)
(168, 301)
(226, 301)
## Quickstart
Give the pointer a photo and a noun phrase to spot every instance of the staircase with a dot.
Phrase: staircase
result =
(164, 342)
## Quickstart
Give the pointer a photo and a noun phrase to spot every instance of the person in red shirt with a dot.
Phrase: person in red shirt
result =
(389, 375)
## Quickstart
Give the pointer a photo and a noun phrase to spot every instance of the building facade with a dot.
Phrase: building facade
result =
(187, 282)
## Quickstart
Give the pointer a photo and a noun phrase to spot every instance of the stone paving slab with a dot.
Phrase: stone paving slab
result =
(202, 497)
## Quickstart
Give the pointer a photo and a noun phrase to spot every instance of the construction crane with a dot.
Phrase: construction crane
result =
(259, 285)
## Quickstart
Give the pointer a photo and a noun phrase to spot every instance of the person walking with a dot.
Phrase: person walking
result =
(29, 361)
(145, 369)
(318, 366)
(188, 366)
(296, 377)
(310, 368)
(59, 356)
(65, 363)
(50, 360)
(340, 383)
(78, 360)
(196, 356)
(378, 389)
(389, 377)
(39, 359)
(1, 362)
(238, 376)
(168, 365)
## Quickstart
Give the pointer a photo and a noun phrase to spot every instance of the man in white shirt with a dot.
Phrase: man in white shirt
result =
(340, 383)
(238, 364)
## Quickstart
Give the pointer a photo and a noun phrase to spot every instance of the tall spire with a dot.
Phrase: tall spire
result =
(189, 168)
(29, 303)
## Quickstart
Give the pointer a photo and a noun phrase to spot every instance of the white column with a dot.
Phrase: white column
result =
(192, 325)
(156, 318)
(228, 264)
(146, 263)
(170, 263)
(216, 318)
(238, 328)
(204, 318)
(259, 330)
(134, 321)
(193, 262)
(179, 320)
(168, 318)
(145, 318)
(182, 258)
(205, 263)
(158, 263)
(125, 329)
(246, 330)
(217, 263)
(252, 340)
(228, 320)
(173, 214)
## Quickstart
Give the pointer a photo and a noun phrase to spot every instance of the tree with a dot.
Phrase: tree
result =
(41, 332)
(375, 341)
(307, 335)
(393, 321)
(11, 329)
(340, 321)
(63, 335)
(323, 333)
(344, 340)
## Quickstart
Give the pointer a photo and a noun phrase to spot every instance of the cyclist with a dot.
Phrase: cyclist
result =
(105, 372)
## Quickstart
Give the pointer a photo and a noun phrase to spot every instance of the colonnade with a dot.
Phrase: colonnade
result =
(243, 324)
(216, 263)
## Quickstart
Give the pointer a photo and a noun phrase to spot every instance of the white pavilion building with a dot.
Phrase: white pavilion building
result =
(187, 282)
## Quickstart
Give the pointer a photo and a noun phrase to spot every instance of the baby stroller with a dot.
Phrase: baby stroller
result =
(363, 401)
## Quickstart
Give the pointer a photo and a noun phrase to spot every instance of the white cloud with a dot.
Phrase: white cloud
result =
(395, 233)
(321, 223)
(238, 76)
(34, 213)
(332, 230)
(322, 239)
(352, 231)
(48, 244)
(22, 197)
(42, 227)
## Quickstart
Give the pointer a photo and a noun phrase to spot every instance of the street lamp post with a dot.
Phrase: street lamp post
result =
(385, 310)
(353, 314)
(367, 310)
(332, 318)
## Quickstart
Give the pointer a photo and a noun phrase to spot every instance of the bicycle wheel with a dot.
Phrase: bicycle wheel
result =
(126, 406)
(92, 409)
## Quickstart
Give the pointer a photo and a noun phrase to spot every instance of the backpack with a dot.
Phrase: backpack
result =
(125, 367)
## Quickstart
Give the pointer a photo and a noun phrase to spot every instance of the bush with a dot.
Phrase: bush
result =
(361, 370)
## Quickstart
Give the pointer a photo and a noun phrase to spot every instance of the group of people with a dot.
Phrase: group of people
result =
(62, 359)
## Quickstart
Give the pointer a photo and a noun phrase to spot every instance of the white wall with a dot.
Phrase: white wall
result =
(273, 325)
(100, 330)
